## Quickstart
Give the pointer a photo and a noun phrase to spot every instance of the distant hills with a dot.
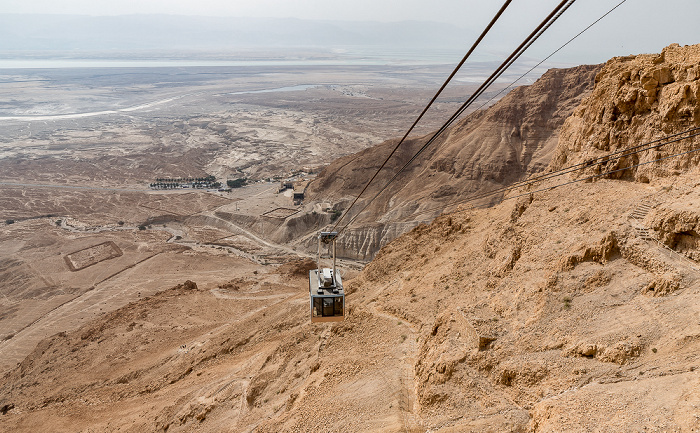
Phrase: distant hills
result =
(31, 32)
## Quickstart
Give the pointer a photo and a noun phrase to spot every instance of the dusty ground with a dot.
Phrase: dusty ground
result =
(44, 291)
(563, 310)
(540, 314)
(79, 148)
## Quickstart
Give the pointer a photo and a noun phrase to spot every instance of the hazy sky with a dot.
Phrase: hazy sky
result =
(637, 26)
(458, 12)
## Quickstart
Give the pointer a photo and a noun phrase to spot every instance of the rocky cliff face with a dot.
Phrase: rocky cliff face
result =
(637, 99)
(363, 242)
(486, 150)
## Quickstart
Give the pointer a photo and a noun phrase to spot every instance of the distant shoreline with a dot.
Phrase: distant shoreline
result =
(64, 64)
(369, 58)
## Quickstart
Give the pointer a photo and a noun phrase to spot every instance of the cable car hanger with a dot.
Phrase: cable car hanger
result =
(326, 293)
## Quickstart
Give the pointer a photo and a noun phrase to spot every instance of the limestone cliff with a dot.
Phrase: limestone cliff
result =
(636, 99)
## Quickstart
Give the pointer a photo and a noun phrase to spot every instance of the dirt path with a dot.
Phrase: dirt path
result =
(410, 417)
(247, 233)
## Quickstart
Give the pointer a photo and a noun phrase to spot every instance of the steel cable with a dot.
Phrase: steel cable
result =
(539, 30)
(580, 166)
(550, 56)
(454, 72)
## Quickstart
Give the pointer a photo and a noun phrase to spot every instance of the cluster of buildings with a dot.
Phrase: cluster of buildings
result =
(298, 188)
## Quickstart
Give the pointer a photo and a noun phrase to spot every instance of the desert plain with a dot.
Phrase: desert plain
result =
(83, 234)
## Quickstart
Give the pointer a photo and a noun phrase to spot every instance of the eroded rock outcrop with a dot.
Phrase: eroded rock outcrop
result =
(679, 229)
(637, 99)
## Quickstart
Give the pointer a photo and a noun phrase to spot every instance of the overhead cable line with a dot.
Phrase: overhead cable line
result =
(539, 30)
(693, 132)
(454, 72)
(609, 172)
(623, 153)
(550, 56)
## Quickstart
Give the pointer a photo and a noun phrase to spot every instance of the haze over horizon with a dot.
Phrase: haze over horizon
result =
(637, 26)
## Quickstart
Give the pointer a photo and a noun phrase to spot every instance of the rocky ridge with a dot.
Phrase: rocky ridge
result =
(637, 99)
(484, 151)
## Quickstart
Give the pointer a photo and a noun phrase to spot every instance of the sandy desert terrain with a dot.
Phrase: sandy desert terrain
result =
(567, 307)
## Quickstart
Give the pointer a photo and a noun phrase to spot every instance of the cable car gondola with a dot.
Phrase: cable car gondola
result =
(326, 294)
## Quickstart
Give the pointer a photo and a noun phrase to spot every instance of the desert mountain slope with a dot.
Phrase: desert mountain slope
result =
(552, 313)
(547, 313)
(485, 150)
(574, 308)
